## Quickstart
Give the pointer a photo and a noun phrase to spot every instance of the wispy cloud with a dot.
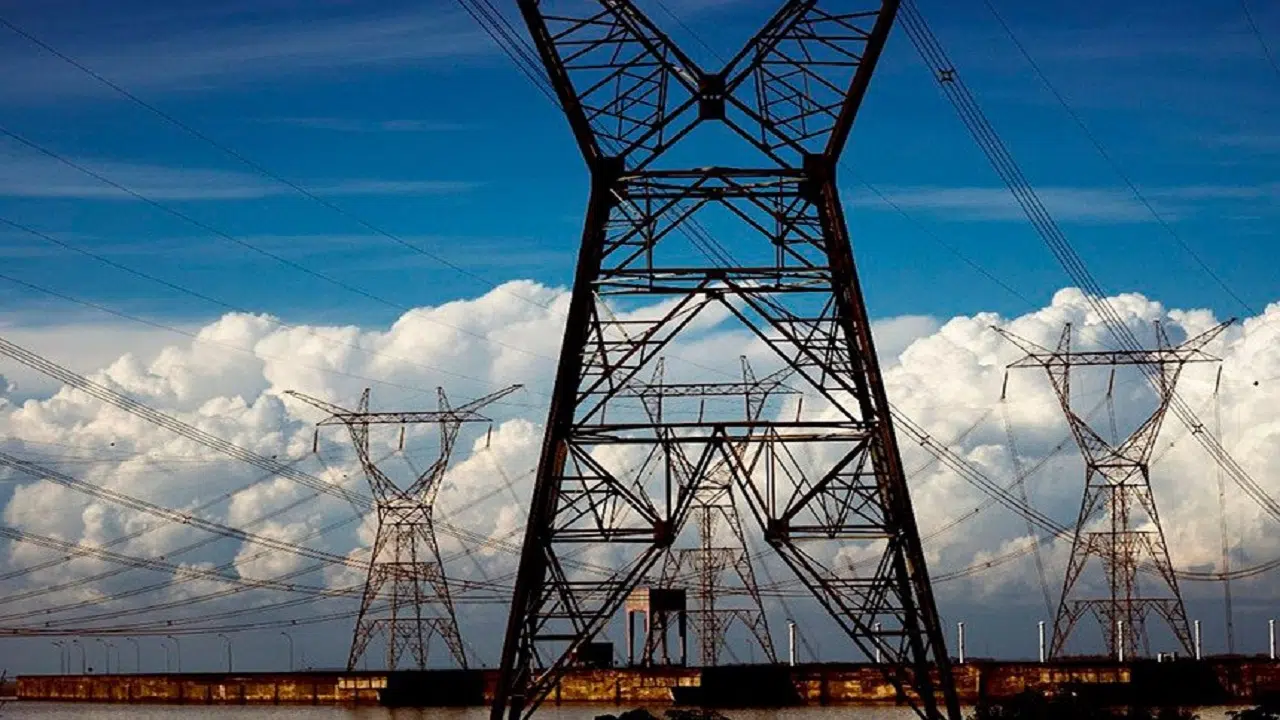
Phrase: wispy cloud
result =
(356, 125)
(35, 177)
(375, 252)
(1261, 191)
(1070, 204)
(1256, 142)
(278, 46)
(997, 204)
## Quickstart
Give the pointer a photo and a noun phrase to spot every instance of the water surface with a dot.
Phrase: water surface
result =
(87, 711)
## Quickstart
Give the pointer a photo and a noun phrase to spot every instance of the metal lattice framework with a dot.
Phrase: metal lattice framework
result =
(824, 478)
(725, 591)
(405, 572)
(1118, 524)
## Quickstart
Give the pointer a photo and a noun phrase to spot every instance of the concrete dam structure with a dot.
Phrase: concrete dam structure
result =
(1212, 681)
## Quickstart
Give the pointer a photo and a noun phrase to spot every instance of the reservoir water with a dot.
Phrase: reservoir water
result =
(85, 711)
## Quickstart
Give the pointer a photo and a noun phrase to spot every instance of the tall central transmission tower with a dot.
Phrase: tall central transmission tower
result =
(1118, 523)
(818, 483)
(406, 596)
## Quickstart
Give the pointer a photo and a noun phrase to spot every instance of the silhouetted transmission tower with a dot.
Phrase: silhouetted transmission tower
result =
(822, 480)
(1118, 523)
(406, 594)
(725, 587)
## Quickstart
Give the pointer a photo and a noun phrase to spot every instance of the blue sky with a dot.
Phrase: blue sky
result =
(406, 115)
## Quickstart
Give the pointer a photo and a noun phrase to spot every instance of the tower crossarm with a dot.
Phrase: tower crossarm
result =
(709, 389)
(1192, 350)
(1170, 356)
(631, 93)
(463, 414)
(489, 399)
(621, 82)
(802, 78)
(412, 417)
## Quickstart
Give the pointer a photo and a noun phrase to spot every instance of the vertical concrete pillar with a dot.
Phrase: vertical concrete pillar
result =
(1197, 638)
(1120, 643)
(1040, 627)
(645, 658)
(1271, 631)
(631, 638)
(877, 629)
(684, 639)
(960, 640)
(791, 641)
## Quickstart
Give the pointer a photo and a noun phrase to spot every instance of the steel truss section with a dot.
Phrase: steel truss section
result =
(406, 596)
(1118, 524)
(621, 476)
(719, 567)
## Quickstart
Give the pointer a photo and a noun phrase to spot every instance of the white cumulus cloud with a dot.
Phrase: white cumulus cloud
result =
(947, 375)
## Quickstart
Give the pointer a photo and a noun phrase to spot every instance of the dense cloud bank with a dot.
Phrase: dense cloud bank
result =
(230, 382)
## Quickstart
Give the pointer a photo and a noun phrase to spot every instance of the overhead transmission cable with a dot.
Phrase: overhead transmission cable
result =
(220, 303)
(237, 588)
(1262, 41)
(145, 529)
(520, 52)
(953, 86)
(500, 543)
(232, 152)
(130, 405)
(174, 516)
(1111, 160)
(125, 563)
(124, 402)
(196, 222)
(154, 629)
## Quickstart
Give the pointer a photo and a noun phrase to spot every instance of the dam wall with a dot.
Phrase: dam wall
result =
(1207, 682)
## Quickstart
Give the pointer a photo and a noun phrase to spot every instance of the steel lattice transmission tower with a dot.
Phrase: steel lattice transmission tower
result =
(1118, 523)
(725, 590)
(406, 594)
(817, 483)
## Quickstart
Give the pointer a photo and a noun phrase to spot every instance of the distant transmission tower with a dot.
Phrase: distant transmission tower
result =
(406, 595)
(613, 481)
(718, 604)
(1118, 523)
